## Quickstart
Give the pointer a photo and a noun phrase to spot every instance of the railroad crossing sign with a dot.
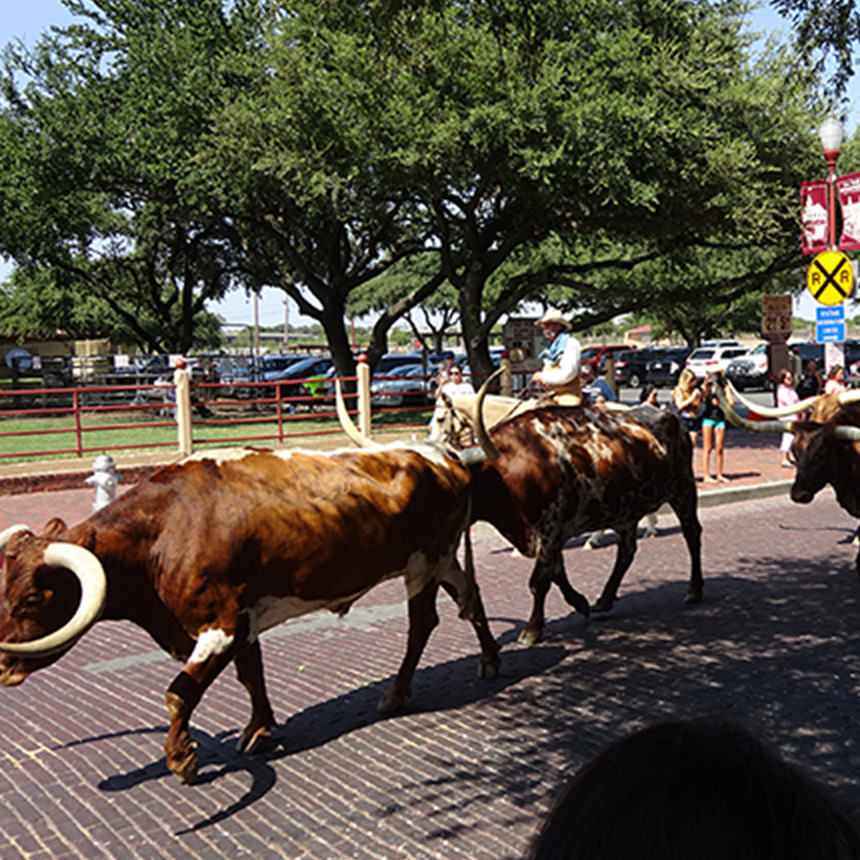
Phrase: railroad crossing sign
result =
(830, 277)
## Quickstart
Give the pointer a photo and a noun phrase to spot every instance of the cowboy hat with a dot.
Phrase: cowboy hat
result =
(553, 315)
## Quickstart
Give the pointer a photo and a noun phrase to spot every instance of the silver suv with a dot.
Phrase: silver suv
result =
(706, 360)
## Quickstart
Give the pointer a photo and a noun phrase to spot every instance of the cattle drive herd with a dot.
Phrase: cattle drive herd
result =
(208, 553)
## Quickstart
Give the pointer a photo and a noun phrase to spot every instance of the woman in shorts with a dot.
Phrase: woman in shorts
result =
(713, 431)
(687, 398)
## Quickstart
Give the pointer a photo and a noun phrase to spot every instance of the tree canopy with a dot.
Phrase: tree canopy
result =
(827, 32)
(606, 156)
(99, 138)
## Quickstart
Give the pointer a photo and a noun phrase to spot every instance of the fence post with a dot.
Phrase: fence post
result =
(183, 409)
(363, 370)
(506, 382)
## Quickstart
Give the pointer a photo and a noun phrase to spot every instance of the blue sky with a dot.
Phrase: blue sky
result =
(27, 19)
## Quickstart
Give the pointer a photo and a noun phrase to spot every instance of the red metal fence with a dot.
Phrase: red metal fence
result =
(84, 420)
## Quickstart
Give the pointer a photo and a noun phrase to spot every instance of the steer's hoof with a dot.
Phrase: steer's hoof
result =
(254, 740)
(693, 596)
(529, 636)
(580, 604)
(391, 702)
(604, 604)
(185, 768)
(488, 667)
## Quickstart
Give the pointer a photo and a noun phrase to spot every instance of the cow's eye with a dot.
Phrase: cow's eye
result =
(31, 603)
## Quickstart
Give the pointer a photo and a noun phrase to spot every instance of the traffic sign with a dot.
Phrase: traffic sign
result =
(776, 316)
(830, 277)
(830, 324)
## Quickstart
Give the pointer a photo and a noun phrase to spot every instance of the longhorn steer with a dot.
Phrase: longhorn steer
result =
(207, 554)
(564, 471)
(826, 447)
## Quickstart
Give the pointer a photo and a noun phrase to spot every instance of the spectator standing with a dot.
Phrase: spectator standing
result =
(786, 396)
(835, 380)
(810, 383)
(649, 396)
(713, 431)
(687, 398)
(452, 384)
(595, 390)
(560, 373)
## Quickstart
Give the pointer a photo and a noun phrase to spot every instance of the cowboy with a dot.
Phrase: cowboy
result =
(560, 373)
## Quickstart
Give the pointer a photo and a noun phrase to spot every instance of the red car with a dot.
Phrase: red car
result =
(597, 355)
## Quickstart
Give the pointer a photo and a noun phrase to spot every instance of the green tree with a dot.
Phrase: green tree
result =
(826, 31)
(577, 153)
(99, 134)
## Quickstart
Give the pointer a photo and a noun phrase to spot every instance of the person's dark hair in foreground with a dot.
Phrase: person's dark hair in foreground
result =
(697, 790)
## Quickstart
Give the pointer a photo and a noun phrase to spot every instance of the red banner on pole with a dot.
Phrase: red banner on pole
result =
(813, 216)
(849, 199)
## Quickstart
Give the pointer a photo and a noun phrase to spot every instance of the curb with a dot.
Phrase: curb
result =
(729, 495)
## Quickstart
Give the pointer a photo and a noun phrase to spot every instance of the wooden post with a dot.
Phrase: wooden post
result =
(183, 410)
(507, 383)
(364, 397)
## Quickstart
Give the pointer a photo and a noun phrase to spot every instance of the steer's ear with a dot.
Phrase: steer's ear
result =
(89, 539)
(54, 528)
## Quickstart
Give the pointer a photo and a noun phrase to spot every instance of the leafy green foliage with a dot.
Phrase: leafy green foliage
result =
(99, 148)
(825, 30)
(383, 156)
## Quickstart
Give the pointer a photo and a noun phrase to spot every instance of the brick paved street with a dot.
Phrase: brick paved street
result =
(469, 768)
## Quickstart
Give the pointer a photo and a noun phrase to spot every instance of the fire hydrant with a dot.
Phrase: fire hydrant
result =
(105, 479)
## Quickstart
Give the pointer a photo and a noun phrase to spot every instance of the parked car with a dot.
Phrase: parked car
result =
(705, 360)
(807, 351)
(291, 380)
(631, 365)
(852, 360)
(597, 355)
(401, 386)
(387, 362)
(271, 366)
(815, 351)
(716, 343)
(750, 370)
(666, 368)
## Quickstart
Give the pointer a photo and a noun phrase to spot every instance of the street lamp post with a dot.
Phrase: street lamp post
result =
(830, 135)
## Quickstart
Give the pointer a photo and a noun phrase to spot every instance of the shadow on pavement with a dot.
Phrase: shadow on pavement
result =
(446, 686)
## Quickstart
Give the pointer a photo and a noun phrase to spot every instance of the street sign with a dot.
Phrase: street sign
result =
(830, 324)
(776, 316)
(830, 277)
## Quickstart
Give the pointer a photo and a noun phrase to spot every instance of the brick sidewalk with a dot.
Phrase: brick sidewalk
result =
(470, 767)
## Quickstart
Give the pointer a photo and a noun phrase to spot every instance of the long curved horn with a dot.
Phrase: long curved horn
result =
(352, 432)
(486, 450)
(90, 573)
(774, 411)
(7, 534)
(846, 397)
(745, 424)
(846, 433)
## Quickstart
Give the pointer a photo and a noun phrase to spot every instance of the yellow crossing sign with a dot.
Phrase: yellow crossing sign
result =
(830, 277)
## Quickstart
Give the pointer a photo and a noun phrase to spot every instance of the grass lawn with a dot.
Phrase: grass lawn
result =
(50, 434)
